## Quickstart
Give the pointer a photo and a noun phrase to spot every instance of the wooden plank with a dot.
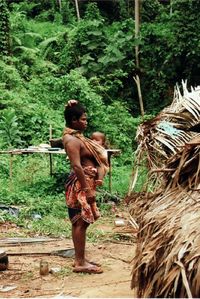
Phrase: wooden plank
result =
(67, 253)
(5, 241)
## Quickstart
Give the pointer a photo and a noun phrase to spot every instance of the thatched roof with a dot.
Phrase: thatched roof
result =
(167, 262)
(164, 136)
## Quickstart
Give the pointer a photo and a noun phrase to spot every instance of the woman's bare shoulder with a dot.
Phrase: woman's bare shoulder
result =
(69, 139)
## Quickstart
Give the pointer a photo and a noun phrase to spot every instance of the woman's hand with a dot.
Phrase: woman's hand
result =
(71, 103)
(89, 195)
(98, 182)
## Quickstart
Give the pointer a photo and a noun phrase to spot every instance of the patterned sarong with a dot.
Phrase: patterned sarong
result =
(75, 197)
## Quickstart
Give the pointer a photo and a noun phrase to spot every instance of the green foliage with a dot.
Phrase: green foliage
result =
(9, 77)
(92, 12)
(119, 182)
(169, 52)
(9, 131)
(68, 12)
(4, 30)
(185, 29)
(150, 10)
(124, 9)
(160, 67)
(76, 86)
(120, 44)
(81, 46)
(117, 115)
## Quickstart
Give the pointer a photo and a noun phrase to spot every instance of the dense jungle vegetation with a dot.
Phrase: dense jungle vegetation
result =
(48, 56)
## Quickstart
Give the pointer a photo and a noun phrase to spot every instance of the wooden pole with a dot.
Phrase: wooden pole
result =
(110, 171)
(77, 10)
(11, 171)
(137, 81)
(50, 131)
(137, 32)
(110, 177)
(51, 164)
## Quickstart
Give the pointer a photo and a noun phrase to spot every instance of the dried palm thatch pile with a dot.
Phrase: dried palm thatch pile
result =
(167, 261)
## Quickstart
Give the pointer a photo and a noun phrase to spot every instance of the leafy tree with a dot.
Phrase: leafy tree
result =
(150, 10)
(169, 52)
(185, 27)
(156, 61)
(92, 12)
(68, 12)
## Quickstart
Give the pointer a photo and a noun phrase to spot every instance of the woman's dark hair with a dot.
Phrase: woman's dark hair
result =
(73, 112)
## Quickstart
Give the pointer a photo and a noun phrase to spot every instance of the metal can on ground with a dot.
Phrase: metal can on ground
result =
(44, 267)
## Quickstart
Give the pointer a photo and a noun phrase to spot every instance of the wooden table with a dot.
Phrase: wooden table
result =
(111, 152)
(33, 151)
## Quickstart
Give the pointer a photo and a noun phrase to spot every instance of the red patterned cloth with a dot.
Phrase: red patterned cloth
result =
(76, 198)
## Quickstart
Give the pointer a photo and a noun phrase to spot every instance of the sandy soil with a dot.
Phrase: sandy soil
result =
(24, 277)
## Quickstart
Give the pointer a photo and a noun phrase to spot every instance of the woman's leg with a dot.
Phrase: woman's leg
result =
(79, 239)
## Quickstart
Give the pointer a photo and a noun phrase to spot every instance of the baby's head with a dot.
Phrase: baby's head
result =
(99, 138)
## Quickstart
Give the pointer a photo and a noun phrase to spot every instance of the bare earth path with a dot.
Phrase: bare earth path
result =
(23, 273)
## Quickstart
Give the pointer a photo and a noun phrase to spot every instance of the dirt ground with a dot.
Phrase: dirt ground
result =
(23, 279)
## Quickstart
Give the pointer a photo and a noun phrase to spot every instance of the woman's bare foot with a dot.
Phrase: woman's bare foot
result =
(89, 263)
(91, 269)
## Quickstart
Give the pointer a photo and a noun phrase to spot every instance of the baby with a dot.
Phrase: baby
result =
(100, 139)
